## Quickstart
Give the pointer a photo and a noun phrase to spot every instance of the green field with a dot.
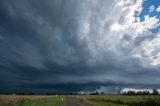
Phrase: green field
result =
(105, 100)
(123, 100)
(50, 101)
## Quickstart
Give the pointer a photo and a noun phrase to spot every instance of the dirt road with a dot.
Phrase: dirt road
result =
(73, 101)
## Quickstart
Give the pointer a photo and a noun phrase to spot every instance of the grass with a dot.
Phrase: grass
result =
(50, 101)
(105, 100)
(124, 100)
(54, 101)
(104, 103)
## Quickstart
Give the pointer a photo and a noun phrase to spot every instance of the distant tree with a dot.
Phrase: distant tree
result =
(124, 93)
(136, 93)
(139, 93)
(143, 93)
(146, 93)
(95, 93)
(131, 93)
(155, 92)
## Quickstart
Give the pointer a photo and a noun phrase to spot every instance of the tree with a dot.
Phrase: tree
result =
(142, 93)
(129, 93)
(155, 92)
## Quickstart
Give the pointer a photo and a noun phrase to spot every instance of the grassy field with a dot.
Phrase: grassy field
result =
(31, 101)
(123, 100)
(117, 100)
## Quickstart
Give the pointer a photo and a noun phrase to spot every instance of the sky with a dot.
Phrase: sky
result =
(79, 45)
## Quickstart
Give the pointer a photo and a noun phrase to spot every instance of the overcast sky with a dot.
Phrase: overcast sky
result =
(79, 45)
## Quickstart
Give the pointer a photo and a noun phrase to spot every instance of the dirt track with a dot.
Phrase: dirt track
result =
(73, 101)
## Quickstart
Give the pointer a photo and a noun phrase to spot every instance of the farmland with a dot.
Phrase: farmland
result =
(80, 100)
(123, 100)
(10, 100)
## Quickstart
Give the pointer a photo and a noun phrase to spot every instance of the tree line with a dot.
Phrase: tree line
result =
(130, 92)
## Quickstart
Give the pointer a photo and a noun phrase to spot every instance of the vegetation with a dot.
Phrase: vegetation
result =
(136, 93)
(130, 92)
(51, 101)
(124, 100)
(95, 100)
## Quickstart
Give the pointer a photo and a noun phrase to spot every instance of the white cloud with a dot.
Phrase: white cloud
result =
(135, 28)
(151, 51)
(158, 9)
(116, 27)
(151, 8)
(124, 22)
(150, 22)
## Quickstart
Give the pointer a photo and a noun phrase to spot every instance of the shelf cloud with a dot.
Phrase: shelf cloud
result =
(75, 45)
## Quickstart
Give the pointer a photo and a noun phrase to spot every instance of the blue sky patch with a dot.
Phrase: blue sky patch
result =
(146, 11)
(146, 5)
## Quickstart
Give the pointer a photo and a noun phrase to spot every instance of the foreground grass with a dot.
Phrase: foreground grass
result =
(51, 101)
(124, 100)
(104, 103)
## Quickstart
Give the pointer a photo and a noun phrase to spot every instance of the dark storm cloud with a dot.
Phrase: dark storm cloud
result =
(47, 45)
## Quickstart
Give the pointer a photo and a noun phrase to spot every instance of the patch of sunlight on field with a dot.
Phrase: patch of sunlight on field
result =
(51, 101)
